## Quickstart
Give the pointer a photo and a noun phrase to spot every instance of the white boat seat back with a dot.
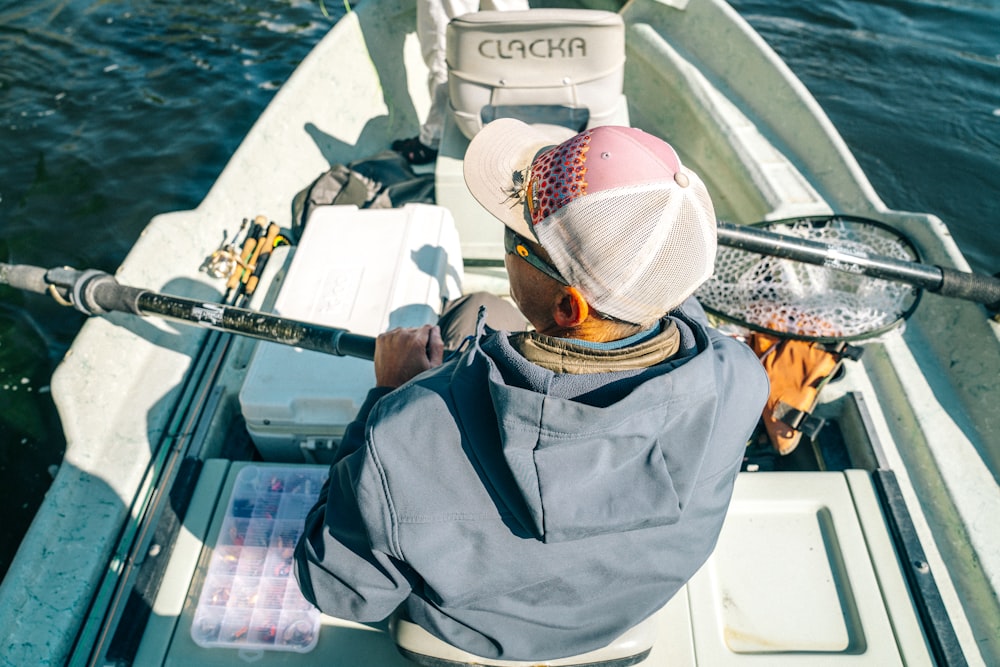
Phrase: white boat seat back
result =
(543, 66)
(423, 648)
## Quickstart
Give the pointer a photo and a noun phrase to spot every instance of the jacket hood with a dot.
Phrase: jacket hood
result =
(600, 453)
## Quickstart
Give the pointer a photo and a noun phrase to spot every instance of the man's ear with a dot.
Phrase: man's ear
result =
(571, 309)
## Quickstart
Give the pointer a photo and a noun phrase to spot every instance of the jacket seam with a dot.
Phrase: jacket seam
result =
(393, 532)
(452, 517)
(719, 473)
(666, 405)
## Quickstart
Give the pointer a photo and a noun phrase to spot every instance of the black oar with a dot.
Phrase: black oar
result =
(937, 279)
(95, 292)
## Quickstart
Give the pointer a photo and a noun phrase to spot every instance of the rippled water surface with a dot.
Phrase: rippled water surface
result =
(110, 112)
(113, 111)
(914, 88)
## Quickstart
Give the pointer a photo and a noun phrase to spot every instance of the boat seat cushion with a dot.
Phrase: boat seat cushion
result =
(423, 648)
(551, 66)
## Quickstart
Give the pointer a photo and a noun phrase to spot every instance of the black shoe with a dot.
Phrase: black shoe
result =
(413, 151)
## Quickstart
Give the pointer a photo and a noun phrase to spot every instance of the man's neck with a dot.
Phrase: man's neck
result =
(573, 356)
(594, 329)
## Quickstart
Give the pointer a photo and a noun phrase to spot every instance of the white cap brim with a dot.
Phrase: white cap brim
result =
(501, 150)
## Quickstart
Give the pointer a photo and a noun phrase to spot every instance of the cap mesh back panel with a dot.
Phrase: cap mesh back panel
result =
(635, 252)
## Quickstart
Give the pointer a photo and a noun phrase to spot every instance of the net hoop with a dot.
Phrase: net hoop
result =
(799, 300)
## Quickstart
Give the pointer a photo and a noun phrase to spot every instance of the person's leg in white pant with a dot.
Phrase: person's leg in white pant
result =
(432, 20)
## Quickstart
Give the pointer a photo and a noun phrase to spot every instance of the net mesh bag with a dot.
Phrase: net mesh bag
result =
(811, 302)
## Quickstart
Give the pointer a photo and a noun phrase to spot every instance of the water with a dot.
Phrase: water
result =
(114, 111)
(913, 86)
(110, 112)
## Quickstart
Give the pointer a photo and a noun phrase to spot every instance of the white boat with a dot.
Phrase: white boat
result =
(808, 569)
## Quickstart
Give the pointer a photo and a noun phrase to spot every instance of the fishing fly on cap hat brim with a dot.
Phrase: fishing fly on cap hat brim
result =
(498, 158)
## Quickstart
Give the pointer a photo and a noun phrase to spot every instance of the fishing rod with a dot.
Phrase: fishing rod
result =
(170, 468)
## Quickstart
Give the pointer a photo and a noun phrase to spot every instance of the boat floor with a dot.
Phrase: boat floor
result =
(818, 537)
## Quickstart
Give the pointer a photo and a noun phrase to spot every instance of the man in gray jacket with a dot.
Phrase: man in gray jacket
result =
(543, 491)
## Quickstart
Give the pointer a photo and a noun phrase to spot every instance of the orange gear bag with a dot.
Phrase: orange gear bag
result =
(798, 370)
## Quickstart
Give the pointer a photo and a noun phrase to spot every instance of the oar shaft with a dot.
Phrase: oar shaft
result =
(264, 326)
(784, 246)
(944, 281)
(95, 292)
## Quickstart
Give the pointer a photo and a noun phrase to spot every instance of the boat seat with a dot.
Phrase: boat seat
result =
(423, 648)
(561, 67)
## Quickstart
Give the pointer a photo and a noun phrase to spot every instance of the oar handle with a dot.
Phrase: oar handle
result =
(355, 345)
(970, 286)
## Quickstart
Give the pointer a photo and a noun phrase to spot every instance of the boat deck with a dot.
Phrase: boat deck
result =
(818, 537)
(810, 525)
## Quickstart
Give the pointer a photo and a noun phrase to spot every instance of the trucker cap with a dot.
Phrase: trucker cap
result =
(621, 218)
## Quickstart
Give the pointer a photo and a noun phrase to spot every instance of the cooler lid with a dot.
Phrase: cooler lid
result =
(366, 271)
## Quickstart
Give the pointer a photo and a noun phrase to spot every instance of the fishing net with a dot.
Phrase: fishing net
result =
(794, 299)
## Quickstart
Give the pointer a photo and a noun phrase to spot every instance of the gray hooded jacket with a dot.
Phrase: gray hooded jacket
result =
(524, 514)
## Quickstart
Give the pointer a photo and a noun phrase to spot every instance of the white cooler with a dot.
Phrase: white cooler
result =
(366, 271)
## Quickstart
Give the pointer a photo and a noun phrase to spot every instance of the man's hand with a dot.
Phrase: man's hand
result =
(402, 354)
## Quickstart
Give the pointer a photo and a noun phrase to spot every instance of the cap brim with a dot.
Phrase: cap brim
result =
(500, 150)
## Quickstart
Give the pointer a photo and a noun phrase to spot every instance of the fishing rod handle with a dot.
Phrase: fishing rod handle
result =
(971, 287)
(355, 345)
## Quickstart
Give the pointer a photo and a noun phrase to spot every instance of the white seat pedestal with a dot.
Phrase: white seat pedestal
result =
(631, 648)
